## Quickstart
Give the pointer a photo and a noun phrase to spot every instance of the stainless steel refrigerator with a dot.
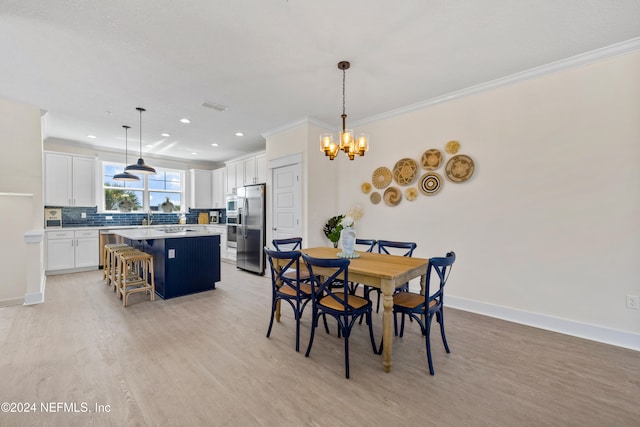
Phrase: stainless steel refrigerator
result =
(251, 228)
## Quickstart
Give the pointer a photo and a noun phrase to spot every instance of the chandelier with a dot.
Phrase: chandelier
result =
(347, 143)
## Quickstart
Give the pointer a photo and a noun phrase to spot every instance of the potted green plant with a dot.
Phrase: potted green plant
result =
(333, 228)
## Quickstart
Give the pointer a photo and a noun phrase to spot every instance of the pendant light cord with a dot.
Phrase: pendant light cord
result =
(140, 109)
(344, 76)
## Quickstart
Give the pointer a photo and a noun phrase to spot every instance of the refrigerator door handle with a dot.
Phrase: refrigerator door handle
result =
(245, 208)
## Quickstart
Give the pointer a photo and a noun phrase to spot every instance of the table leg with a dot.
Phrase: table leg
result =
(387, 325)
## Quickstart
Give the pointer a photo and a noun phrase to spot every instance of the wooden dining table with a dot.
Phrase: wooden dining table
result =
(382, 271)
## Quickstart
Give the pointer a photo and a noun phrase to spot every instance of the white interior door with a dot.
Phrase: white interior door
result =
(286, 206)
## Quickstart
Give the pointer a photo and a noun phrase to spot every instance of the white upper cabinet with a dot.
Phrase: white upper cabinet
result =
(219, 183)
(261, 168)
(200, 189)
(251, 170)
(69, 180)
(231, 178)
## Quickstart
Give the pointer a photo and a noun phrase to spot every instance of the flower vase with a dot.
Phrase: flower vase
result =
(348, 239)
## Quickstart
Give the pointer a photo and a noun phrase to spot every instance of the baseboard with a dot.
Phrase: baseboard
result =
(37, 297)
(563, 326)
(11, 301)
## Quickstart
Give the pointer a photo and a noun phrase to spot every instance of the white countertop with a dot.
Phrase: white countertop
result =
(167, 232)
(133, 227)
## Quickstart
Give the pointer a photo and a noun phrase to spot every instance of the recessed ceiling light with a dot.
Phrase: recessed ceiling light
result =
(194, 153)
(166, 135)
(239, 134)
(91, 136)
(185, 120)
(149, 145)
(214, 145)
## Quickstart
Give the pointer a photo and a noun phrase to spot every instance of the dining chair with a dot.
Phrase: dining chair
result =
(393, 248)
(292, 244)
(419, 307)
(287, 288)
(336, 302)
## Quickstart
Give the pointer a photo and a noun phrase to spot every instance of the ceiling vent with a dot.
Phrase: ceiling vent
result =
(214, 106)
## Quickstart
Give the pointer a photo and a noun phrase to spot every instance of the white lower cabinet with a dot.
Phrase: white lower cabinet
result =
(222, 229)
(72, 250)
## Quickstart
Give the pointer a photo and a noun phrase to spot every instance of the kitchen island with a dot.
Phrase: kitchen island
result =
(185, 260)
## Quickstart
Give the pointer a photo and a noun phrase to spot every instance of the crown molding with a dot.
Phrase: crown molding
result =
(296, 123)
(575, 61)
(553, 67)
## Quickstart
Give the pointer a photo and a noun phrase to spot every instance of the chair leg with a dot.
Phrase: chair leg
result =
(346, 354)
(314, 323)
(297, 317)
(440, 318)
(373, 340)
(428, 343)
(326, 325)
(273, 312)
(402, 325)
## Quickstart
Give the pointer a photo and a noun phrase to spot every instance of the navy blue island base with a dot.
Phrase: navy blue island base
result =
(183, 265)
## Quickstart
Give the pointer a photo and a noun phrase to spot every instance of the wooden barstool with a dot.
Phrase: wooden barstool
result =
(136, 275)
(114, 272)
(106, 256)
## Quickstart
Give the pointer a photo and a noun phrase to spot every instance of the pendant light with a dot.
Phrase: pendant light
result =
(347, 143)
(140, 167)
(124, 175)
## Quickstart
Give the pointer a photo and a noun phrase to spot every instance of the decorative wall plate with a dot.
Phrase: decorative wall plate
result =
(410, 194)
(381, 177)
(365, 187)
(459, 168)
(375, 197)
(430, 183)
(405, 171)
(431, 159)
(392, 196)
(452, 147)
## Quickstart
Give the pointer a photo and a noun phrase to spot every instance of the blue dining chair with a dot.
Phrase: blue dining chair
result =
(417, 306)
(287, 287)
(336, 302)
(393, 248)
(292, 244)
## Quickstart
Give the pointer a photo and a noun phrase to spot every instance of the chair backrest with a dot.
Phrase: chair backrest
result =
(322, 285)
(278, 277)
(292, 244)
(385, 245)
(370, 244)
(441, 267)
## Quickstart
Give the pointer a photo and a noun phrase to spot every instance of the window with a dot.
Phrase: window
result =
(147, 194)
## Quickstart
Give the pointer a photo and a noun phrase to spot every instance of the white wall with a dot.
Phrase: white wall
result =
(20, 172)
(319, 178)
(549, 225)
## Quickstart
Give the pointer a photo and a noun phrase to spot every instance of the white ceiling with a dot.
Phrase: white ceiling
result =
(272, 62)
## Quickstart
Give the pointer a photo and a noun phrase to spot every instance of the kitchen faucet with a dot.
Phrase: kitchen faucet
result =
(149, 217)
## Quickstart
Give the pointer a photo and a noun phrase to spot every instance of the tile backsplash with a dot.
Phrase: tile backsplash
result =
(72, 217)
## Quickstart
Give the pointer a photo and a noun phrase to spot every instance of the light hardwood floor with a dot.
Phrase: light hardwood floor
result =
(204, 360)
